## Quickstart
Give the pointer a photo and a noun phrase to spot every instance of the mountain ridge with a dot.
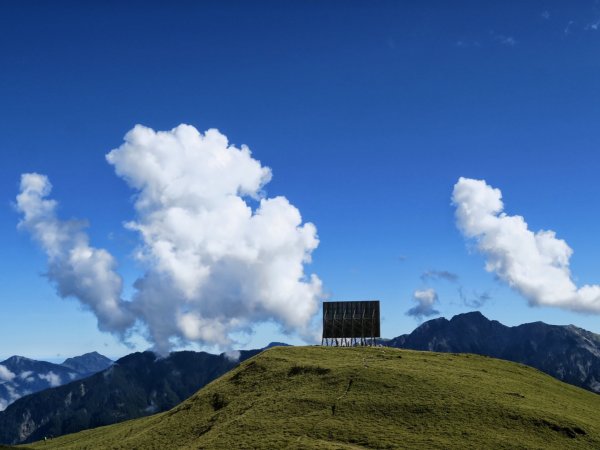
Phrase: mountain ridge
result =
(566, 352)
(88, 363)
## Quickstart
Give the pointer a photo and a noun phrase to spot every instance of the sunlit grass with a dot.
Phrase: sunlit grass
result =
(337, 398)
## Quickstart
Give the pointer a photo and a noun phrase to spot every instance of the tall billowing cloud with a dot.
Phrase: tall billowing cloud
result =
(535, 264)
(214, 264)
(426, 300)
(76, 269)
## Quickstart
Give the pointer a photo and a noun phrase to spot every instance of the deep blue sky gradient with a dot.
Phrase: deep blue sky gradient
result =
(367, 112)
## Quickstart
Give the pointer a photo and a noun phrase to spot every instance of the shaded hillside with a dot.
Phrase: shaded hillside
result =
(338, 398)
(136, 385)
(568, 353)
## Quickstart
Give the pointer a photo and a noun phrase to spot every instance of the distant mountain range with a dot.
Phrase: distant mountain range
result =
(88, 364)
(568, 353)
(141, 384)
(136, 385)
(20, 376)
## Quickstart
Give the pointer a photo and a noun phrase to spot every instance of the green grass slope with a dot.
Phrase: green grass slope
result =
(348, 398)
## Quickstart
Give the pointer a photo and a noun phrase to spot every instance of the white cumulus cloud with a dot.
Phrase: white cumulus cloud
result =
(214, 265)
(6, 374)
(426, 300)
(535, 264)
(218, 255)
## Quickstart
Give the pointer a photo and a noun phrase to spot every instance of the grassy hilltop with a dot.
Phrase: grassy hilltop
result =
(348, 398)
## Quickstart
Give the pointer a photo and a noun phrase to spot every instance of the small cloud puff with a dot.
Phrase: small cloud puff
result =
(426, 299)
(233, 356)
(504, 39)
(567, 29)
(594, 26)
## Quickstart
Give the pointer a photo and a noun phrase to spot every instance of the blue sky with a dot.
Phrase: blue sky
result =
(366, 112)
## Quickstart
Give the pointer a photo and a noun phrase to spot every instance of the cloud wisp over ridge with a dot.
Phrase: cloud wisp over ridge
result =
(472, 299)
(535, 264)
(6, 374)
(213, 264)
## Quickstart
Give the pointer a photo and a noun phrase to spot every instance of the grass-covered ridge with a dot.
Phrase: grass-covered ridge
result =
(338, 398)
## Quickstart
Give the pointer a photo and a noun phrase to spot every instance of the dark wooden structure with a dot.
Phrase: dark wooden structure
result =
(349, 324)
